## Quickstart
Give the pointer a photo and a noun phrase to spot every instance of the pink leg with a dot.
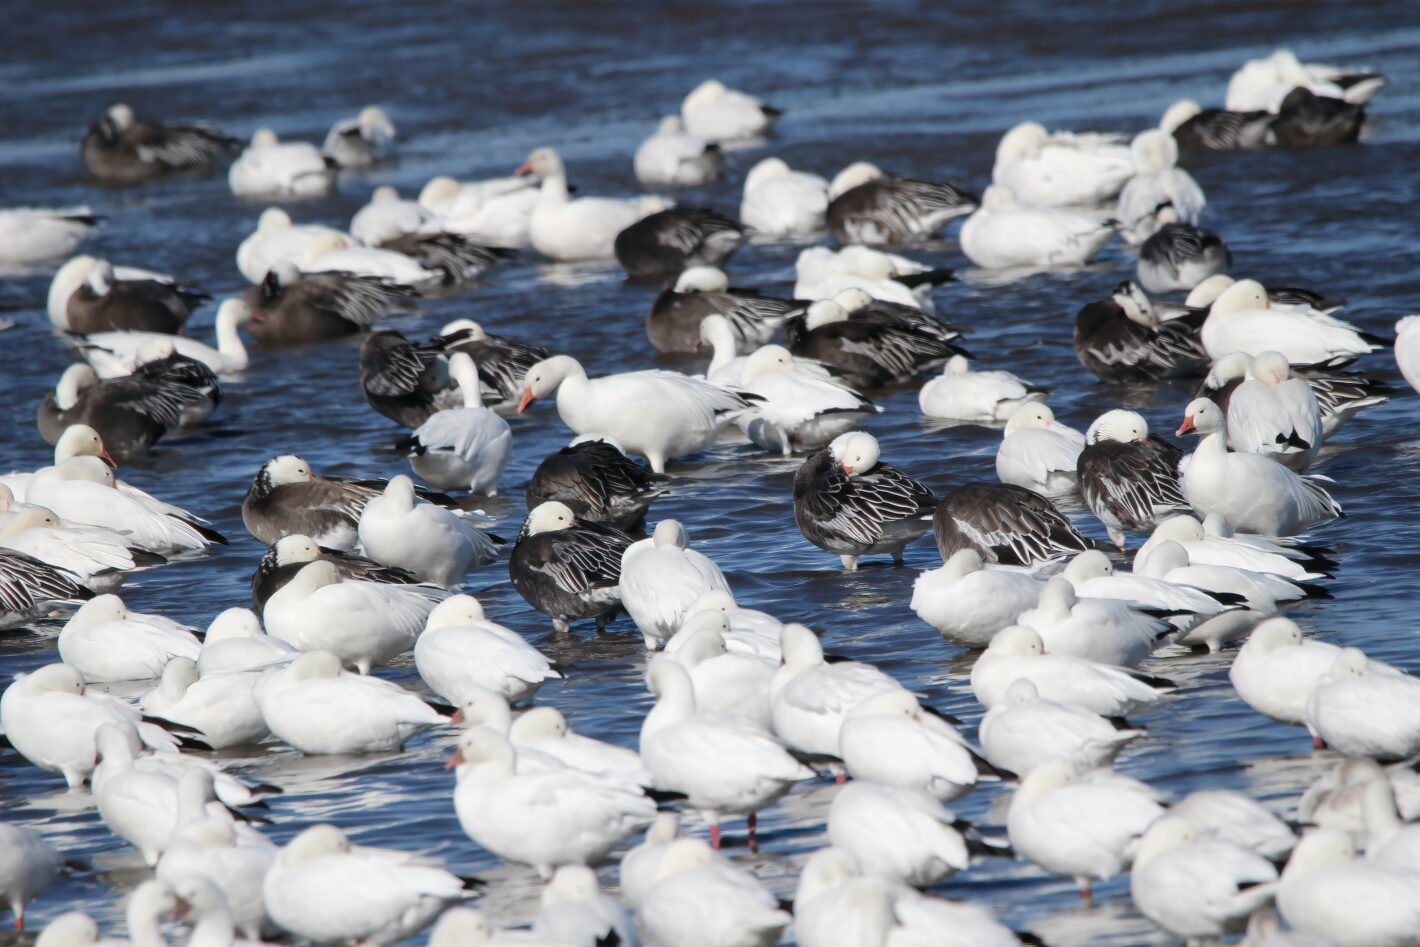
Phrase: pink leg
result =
(1086, 892)
(841, 778)
(1318, 743)
(715, 836)
(753, 822)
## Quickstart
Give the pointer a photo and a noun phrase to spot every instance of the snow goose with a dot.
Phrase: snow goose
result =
(121, 148)
(849, 504)
(1005, 524)
(463, 448)
(726, 765)
(869, 207)
(31, 588)
(220, 707)
(543, 819)
(1273, 414)
(145, 800)
(318, 708)
(597, 482)
(1307, 120)
(1340, 395)
(361, 140)
(800, 410)
(92, 295)
(1196, 887)
(750, 631)
(1214, 129)
(1328, 892)
(210, 915)
(583, 228)
(639, 867)
(968, 604)
(567, 569)
(903, 835)
(365, 623)
(717, 113)
(1157, 185)
(1360, 710)
(81, 490)
(670, 415)
(1407, 349)
(575, 911)
(438, 546)
(1180, 255)
(30, 235)
(1124, 338)
(1128, 477)
(544, 731)
(664, 244)
(27, 867)
(1102, 630)
(97, 558)
(1058, 169)
(702, 900)
(406, 381)
(1039, 453)
(1215, 543)
(677, 317)
(1237, 818)
(463, 926)
(781, 202)
(113, 354)
(493, 213)
(1243, 319)
(77, 929)
(460, 647)
(271, 168)
(1083, 827)
(726, 682)
(390, 224)
(323, 888)
(823, 274)
(1025, 731)
(1264, 82)
(330, 253)
(1017, 652)
(149, 903)
(964, 395)
(1276, 670)
(893, 740)
(106, 642)
(1005, 233)
(1262, 593)
(673, 157)
(1255, 494)
(277, 240)
(661, 577)
(865, 347)
(236, 642)
(284, 559)
(502, 362)
(289, 307)
(810, 697)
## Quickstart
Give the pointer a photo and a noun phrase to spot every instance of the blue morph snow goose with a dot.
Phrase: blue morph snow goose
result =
(1129, 477)
(566, 569)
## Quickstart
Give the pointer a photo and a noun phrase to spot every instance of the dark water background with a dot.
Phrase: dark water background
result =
(915, 86)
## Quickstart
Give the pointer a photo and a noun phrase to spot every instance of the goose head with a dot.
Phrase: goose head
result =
(1137, 307)
(1243, 296)
(456, 611)
(1032, 414)
(767, 358)
(856, 174)
(1017, 641)
(856, 452)
(234, 623)
(76, 379)
(1178, 113)
(1128, 427)
(1203, 417)
(543, 163)
(1090, 564)
(544, 378)
(1021, 142)
(702, 279)
(766, 170)
(1153, 150)
(670, 533)
(548, 517)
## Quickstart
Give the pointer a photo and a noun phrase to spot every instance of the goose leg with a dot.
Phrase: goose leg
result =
(850, 563)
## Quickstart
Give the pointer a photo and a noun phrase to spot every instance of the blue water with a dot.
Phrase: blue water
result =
(915, 86)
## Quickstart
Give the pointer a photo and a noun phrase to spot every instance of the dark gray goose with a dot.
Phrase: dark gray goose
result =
(1122, 338)
(874, 344)
(565, 569)
(89, 295)
(673, 324)
(31, 589)
(598, 483)
(294, 308)
(288, 555)
(457, 257)
(869, 207)
(1129, 477)
(1198, 128)
(665, 243)
(168, 366)
(1004, 524)
(849, 504)
(121, 148)
(502, 362)
(406, 381)
(130, 414)
(1307, 120)
(1180, 256)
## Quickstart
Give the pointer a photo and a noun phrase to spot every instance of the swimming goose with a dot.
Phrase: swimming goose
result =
(660, 415)
(1263, 83)
(699, 899)
(1025, 731)
(361, 141)
(781, 202)
(1005, 232)
(1243, 319)
(222, 708)
(673, 157)
(1005, 524)
(121, 148)
(964, 395)
(502, 362)
(1216, 129)
(460, 649)
(582, 228)
(849, 504)
(542, 819)
(92, 295)
(1157, 185)
(800, 410)
(406, 381)
(1276, 670)
(869, 207)
(235, 642)
(892, 740)
(1128, 477)
(597, 482)
(1328, 892)
(568, 569)
(1017, 652)
(118, 353)
(106, 642)
(967, 603)
(661, 577)
(903, 835)
(27, 868)
(1046, 169)
(1106, 631)
(1255, 494)
(492, 213)
(668, 242)
(438, 546)
(271, 168)
(1213, 542)
(277, 240)
(319, 708)
(1124, 338)
(388, 223)
(720, 114)
(821, 273)
(1180, 255)
(1039, 453)
(1273, 414)
(675, 322)
(289, 307)
(464, 448)
(324, 889)
(31, 235)
(868, 346)
(1360, 711)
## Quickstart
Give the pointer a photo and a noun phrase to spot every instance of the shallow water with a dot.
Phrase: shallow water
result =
(917, 87)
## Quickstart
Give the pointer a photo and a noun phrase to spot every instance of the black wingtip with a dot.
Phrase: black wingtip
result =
(209, 534)
(942, 715)
(664, 795)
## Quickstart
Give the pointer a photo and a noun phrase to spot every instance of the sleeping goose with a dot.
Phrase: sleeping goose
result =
(273, 169)
(1180, 255)
(781, 202)
(869, 207)
(460, 651)
(1273, 414)
(362, 140)
(406, 381)
(130, 413)
(821, 273)
(438, 546)
(720, 114)
(492, 213)
(964, 395)
(1124, 337)
(664, 244)
(673, 157)
(1216, 129)
(1045, 169)
(1157, 185)
(583, 228)
(661, 578)
(567, 569)
(1128, 477)
(678, 314)
(1263, 83)
(1039, 453)
(121, 148)
(284, 558)
(968, 603)
(276, 240)
(800, 409)
(597, 482)
(1243, 319)
(1005, 524)
(390, 224)
(92, 295)
(289, 307)
(30, 235)
(1004, 232)
(462, 448)
(869, 346)
(31, 589)
(1307, 120)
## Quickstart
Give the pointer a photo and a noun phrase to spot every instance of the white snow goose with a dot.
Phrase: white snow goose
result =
(289, 307)
(869, 344)
(398, 529)
(544, 730)
(567, 569)
(781, 202)
(675, 321)
(1244, 319)
(1327, 891)
(121, 148)
(284, 558)
(270, 168)
(31, 235)
(1004, 233)
(1180, 255)
(1025, 731)
(1263, 594)
(668, 242)
(1214, 129)
(391, 223)
(700, 898)
(106, 642)
(493, 213)
(661, 577)
(821, 273)
(848, 503)
(1236, 817)
(673, 157)
(716, 113)
(92, 295)
(97, 558)
(1254, 494)
(964, 395)
(1359, 710)
(31, 589)
(235, 642)
(1158, 184)
(319, 708)
(1128, 477)
(463, 448)
(903, 835)
(1124, 338)
(735, 682)
(583, 228)
(361, 140)
(277, 240)
(575, 910)
(1276, 670)
(1214, 542)
(29, 867)
(800, 410)
(1104, 630)
(460, 648)
(113, 354)
(1039, 453)
(968, 604)
(1407, 349)
(869, 207)
(893, 740)
(660, 415)
(1264, 82)
(1271, 413)
(1061, 169)
(222, 708)
(1005, 524)
(597, 482)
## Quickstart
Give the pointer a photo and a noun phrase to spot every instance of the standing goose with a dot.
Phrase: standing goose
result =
(26, 869)
(1197, 129)
(717, 113)
(362, 140)
(597, 482)
(670, 241)
(92, 295)
(849, 504)
(284, 558)
(463, 448)
(781, 202)
(661, 578)
(673, 157)
(270, 168)
(1005, 232)
(1159, 185)
(438, 546)
(502, 362)
(869, 207)
(1180, 255)
(891, 739)
(289, 307)
(697, 898)
(1360, 710)
(1272, 414)
(566, 569)
(1128, 477)
(1122, 338)
(675, 321)
(121, 148)
(1039, 453)
(868, 346)
(1005, 524)
(963, 395)
(583, 228)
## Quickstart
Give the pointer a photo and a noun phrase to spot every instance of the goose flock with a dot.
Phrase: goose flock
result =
(642, 823)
